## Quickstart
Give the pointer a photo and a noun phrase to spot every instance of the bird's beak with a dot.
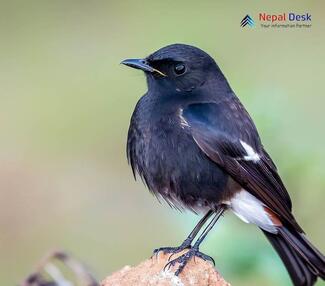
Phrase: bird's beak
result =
(141, 64)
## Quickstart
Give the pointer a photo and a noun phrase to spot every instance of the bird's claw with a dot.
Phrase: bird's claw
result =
(173, 250)
(185, 258)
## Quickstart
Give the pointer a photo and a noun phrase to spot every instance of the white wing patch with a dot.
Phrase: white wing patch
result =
(251, 210)
(184, 123)
(251, 154)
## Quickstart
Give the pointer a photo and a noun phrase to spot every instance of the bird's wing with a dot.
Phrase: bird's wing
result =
(225, 132)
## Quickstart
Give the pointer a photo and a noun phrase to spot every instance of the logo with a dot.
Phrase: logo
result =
(284, 20)
(248, 20)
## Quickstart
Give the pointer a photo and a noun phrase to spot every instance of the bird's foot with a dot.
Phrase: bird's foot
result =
(185, 258)
(173, 250)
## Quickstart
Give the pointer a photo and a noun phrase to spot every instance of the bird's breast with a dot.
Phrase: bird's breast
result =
(164, 154)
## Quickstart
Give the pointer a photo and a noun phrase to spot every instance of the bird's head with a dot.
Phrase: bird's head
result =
(177, 68)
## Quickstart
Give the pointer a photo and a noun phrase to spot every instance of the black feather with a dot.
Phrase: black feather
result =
(302, 260)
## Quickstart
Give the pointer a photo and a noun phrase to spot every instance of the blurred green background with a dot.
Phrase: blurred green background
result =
(65, 105)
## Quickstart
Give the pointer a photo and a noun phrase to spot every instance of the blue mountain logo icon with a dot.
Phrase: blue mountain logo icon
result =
(247, 20)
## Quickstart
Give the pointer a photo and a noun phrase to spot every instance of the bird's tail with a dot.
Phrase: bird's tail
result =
(302, 260)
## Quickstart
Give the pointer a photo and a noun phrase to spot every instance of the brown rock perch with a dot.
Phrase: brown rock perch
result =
(150, 272)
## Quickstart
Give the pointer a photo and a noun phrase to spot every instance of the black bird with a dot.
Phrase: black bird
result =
(194, 145)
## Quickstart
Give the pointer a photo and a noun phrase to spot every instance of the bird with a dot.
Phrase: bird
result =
(195, 146)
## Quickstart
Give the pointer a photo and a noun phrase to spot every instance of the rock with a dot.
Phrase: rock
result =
(150, 272)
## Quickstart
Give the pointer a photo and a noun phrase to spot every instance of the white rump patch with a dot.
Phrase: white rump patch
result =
(251, 210)
(251, 154)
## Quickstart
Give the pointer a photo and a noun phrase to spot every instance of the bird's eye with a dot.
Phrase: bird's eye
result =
(179, 69)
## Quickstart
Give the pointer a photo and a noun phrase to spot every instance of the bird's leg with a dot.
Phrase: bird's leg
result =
(187, 242)
(194, 251)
